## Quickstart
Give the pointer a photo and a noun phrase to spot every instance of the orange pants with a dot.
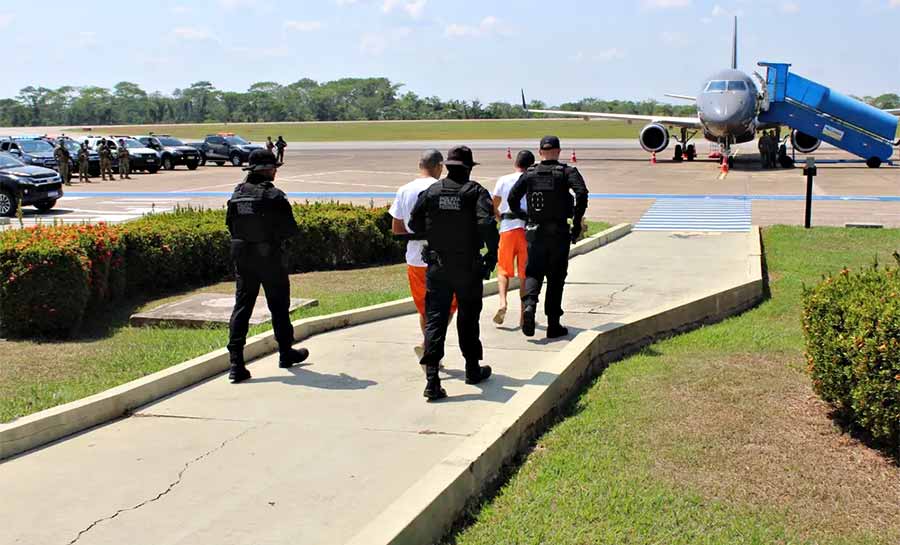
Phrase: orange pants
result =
(513, 247)
(416, 276)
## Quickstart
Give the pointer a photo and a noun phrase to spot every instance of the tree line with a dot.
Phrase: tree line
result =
(349, 99)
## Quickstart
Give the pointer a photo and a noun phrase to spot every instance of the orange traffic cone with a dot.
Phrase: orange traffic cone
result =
(574, 159)
(724, 164)
(653, 158)
(509, 154)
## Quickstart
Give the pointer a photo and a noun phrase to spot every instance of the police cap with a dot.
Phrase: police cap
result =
(262, 159)
(550, 142)
(460, 156)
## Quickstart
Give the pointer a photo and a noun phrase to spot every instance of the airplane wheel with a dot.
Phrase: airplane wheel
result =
(873, 162)
(691, 152)
(731, 162)
(679, 151)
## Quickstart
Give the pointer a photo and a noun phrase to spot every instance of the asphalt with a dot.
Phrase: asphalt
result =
(312, 454)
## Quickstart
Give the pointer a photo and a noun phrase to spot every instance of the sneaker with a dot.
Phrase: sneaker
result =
(292, 357)
(528, 322)
(239, 374)
(500, 316)
(481, 375)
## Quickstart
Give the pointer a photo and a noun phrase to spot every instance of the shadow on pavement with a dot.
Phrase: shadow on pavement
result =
(497, 389)
(300, 376)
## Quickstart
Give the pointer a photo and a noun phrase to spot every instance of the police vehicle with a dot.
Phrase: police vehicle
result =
(141, 158)
(172, 151)
(34, 185)
(31, 150)
(225, 147)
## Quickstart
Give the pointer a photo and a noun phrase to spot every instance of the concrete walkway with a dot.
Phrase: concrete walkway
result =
(311, 455)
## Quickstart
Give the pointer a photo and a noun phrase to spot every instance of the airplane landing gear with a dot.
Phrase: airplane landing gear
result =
(691, 152)
(679, 151)
(685, 151)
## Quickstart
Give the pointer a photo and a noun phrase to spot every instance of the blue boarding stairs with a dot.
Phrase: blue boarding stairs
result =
(827, 115)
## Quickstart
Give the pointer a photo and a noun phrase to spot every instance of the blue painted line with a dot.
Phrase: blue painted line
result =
(594, 196)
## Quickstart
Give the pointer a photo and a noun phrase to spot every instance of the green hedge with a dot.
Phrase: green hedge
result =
(52, 276)
(852, 325)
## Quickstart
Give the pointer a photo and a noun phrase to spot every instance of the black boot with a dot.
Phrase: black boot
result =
(528, 321)
(555, 330)
(291, 357)
(433, 390)
(238, 372)
(476, 373)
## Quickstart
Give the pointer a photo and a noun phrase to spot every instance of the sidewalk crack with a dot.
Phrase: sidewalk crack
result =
(168, 489)
(612, 297)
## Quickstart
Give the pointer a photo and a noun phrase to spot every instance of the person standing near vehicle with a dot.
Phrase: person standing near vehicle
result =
(547, 187)
(513, 254)
(280, 144)
(105, 160)
(260, 221)
(270, 146)
(124, 161)
(63, 158)
(457, 218)
(764, 147)
(84, 162)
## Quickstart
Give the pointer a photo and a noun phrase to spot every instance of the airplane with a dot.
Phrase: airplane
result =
(727, 114)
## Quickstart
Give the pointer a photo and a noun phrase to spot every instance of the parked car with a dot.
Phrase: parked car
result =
(31, 150)
(141, 158)
(34, 185)
(172, 151)
(74, 147)
(225, 147)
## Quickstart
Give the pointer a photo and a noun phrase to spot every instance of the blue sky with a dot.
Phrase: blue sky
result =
(484, 49)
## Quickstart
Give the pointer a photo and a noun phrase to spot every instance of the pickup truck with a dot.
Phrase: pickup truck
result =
(26, 185)
(222, 148)
(172, 151)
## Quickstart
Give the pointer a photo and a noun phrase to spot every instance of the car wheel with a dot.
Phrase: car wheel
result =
(236, 160)
(192, 166)
(873, 162)
(220, 163)
(44, 206)
(8, 204)
(153, 170)
(168, 163)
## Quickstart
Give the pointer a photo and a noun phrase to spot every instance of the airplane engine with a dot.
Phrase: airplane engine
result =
(804, 143)
(654, 138)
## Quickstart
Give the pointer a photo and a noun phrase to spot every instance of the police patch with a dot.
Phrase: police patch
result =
(450, 202)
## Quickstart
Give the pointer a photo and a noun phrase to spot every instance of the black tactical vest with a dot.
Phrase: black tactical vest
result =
(451, 221)
(548, 194)
(249, 211)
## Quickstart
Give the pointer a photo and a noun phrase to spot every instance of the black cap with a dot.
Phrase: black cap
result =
(262, 159)
(460, 156)
(550, 142)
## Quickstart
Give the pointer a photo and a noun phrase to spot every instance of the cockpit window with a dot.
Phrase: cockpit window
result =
(737, 86)
(716, 87)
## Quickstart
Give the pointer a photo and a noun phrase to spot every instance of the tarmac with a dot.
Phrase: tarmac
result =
(623, 183)
(313, 454)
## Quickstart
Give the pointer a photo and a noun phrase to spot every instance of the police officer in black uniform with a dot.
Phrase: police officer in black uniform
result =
(547, 187)
(456, 215)
(260, 221)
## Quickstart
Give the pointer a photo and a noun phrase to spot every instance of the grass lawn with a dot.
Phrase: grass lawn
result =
(108, 352)
(713, 437)
(399, 130)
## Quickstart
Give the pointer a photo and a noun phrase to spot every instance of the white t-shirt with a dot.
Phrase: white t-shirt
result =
(402, 209)
(502, 189)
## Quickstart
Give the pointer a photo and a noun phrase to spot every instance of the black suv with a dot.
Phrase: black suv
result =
(30, 150)
(172, 151)
(34, 185)
(219, 148)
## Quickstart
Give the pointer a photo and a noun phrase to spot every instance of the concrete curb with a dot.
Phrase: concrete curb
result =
(428, 510)
(46, 426)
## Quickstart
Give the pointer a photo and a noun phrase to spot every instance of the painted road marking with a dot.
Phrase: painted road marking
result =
(697, 215)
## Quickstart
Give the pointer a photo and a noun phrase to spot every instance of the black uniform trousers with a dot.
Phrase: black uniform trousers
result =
(255, 265)
(460, 276)
(548, 256)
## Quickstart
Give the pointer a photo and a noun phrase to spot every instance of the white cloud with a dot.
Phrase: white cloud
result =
(375, 43)
(674, 39)
(603, 56)
(894, 3)
(719, 11)
(413, 8)
(180, 10)
(303, 26)
(791, 7)
(87, 39)
(665, 4)
(234, 4)
(489, 25)
(6, 19)
(191, 34)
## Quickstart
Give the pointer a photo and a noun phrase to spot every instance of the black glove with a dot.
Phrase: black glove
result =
(576, 232)
(488, 263)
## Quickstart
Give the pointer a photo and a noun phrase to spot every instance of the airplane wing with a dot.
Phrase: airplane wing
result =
(682, 97)
(672, 121)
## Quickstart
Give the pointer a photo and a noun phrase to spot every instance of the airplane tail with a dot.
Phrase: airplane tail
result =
(734, 48)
